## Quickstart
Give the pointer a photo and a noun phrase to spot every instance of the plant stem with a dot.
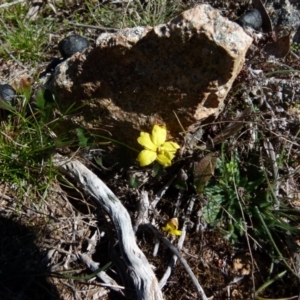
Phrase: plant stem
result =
(269, 282)
(273, 243)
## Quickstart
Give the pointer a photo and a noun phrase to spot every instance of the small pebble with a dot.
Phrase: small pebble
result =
(72, 44)
(7, 93)
(252, 19)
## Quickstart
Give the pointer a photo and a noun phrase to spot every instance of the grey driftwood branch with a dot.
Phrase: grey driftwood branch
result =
(138, 267)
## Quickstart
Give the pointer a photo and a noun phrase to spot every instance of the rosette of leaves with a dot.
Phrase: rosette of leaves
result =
(235, 195)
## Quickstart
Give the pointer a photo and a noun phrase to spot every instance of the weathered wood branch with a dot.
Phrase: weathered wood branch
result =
(139, 269)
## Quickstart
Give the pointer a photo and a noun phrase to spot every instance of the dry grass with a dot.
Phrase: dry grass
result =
(46, 220)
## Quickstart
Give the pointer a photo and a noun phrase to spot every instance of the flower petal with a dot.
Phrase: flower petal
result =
(169, 155)
(167, 228)
(171, 227)
(146, 157)
(145, 140)
(159, 135)
(173, 223)
(176, 232)
(170, 147)
(164, 159)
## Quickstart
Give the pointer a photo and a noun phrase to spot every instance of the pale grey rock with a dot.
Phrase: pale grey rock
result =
(138, 77)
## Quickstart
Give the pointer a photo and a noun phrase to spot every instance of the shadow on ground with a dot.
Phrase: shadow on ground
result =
(22, 274)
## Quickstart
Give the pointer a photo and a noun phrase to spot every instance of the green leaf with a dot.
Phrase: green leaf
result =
(212, 209)
(40, 100)
(133, 182)
(81, 137)
(158, 170)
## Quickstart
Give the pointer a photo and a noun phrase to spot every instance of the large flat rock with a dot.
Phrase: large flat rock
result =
(138, 77)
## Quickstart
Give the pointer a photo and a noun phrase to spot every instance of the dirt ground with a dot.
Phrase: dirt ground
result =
(41, 238)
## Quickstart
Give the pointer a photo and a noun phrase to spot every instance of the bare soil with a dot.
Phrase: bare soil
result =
(41, 237)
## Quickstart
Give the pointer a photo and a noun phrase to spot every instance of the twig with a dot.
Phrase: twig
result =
(157, 244)
(142, 217)
(154, 203)
(92, 242)
(200, 221)
(274, 244)
(283, 138)
(11, 3)
(156, 248)
(9, 138)
(74, 223)
(269, 282)
(143, 209)
(241, 227)
(294, 54)
(162, 192)
(111, 283)
(178, 203)
(2, 196)
(260, 125)
(233, 127)
(14, 58)
(240, 199)
(182, 260)
(271, 153)
(9, 54)
(94, 27)
(138, 268)
(190, 209)
(173, 260)
(270, 185)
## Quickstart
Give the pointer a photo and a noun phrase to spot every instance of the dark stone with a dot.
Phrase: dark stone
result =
(7, 93)
(51, 67)
(54, 63)
(72, 44)
(48, 96)
(252, 19)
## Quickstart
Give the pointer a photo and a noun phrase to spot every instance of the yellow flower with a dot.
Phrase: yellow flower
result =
(156, 147)
(172, 226)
